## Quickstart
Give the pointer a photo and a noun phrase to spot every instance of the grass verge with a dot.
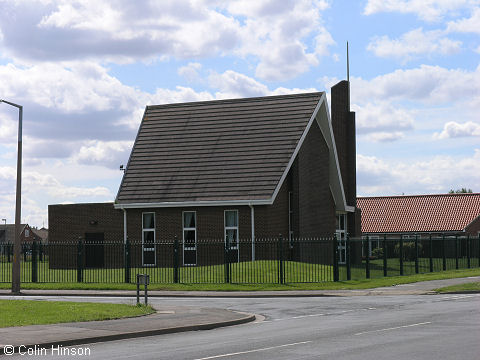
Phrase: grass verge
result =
(29, 312)
(473, 287)
(341, 285)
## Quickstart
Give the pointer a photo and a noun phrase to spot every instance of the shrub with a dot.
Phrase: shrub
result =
(377, 253)
(408, 250)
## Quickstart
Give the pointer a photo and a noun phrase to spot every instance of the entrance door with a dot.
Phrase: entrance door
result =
(94, 250)
(341, 234)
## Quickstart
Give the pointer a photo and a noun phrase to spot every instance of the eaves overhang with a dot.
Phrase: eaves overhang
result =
(192, 204)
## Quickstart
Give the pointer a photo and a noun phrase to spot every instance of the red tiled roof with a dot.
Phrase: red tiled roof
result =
(419, 213)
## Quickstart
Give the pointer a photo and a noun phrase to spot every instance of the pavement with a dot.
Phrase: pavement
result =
(171, 319)
(165, 321)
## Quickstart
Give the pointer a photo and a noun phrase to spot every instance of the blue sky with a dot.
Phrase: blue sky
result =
(85, 70)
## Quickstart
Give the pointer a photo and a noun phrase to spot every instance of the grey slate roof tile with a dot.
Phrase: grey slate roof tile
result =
(215, 150)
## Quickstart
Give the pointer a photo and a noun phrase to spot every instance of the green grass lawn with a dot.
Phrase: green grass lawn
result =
(248, 272)
(28, 312)
(260, 271)
(340, 285)
(469, 287)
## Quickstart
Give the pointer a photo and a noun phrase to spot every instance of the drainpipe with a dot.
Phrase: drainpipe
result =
(252, 220)
(124, 226)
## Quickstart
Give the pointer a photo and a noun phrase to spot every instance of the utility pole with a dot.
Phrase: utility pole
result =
(18, 204)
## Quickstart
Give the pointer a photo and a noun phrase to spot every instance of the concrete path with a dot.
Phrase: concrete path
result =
(168, 320)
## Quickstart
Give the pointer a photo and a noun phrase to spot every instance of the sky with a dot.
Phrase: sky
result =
(84, 70)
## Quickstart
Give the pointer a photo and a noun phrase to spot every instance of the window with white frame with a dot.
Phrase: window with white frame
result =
(231, 228)
(148, 239)
(341, 233)
(189, 230)
(373, 243)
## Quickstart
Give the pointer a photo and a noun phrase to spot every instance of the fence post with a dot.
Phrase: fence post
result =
(431, 253)
(367, 260)
(40, 251)
(79, 260)
(127, 260)
(335, 258)
(478, 250)
(8, 252)
(468, 251)
(444, 255)
(175, 260)
(385, 255)
(347, 257)
(456, 252)
(416, 254)
(400, 248)
(281, 278)
(34, 262)
(227, 260)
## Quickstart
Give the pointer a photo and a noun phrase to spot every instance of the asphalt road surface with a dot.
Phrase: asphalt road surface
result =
(358, 327)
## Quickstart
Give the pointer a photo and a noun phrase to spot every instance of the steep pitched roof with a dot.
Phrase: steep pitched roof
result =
(7, 232)
(420, 213)
(223, 150)
(41, 233)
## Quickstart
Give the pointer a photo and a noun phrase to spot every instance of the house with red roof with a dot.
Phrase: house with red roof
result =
(442, 214)
(420, 216)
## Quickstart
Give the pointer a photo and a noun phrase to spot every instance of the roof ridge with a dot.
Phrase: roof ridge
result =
(415, 196)
(235, 100)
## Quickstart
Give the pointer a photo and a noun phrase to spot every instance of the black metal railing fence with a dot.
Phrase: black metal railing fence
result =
(271, 260)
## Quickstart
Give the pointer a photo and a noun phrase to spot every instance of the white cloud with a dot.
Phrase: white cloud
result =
(232, 84)
(453, 129)
(428, 10)
(68, 87)
(386, 136)
(288, 36)
(382, 121)
(429, 85)
(105, 153)
(467, 25)
(35, 186)
(414, 43)
(190, 72)
(377, 176)
(285, 38)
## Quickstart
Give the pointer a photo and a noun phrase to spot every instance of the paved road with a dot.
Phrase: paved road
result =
(373, 327)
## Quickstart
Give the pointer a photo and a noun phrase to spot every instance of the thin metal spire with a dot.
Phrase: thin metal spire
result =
(348, 77)
(348, 65)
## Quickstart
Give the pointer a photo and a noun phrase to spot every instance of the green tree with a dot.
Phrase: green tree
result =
(461, 191)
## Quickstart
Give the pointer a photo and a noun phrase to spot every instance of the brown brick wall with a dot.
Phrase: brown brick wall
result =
(343, 125)
(473, 229)
(316, 209)
(67, 223)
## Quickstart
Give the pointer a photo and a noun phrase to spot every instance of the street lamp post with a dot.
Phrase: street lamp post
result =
(18, 204)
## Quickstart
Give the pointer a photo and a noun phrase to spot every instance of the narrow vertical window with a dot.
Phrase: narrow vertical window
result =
(148, 239)
(189, 238)
(190, 230)
(341, 233)
(231, 228)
